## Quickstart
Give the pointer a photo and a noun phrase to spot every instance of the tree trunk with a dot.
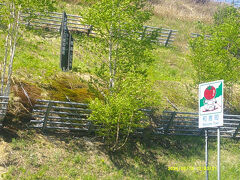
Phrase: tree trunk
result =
(111, 81)
(14, 38)
(3, 67)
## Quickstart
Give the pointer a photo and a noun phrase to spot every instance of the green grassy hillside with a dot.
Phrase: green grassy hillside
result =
(37, 56)
(29, 154)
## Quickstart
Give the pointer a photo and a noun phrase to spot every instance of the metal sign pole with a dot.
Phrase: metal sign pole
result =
(210, 106)
(218, 141)
(206, 152)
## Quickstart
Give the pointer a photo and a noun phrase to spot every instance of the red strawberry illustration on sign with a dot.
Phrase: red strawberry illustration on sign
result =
(210, 92)
(210, 101)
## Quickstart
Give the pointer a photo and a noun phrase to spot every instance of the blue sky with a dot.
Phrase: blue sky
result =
(227, 1)
(237, 2)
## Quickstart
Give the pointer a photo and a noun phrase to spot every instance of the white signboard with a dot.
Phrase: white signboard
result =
(211, 104)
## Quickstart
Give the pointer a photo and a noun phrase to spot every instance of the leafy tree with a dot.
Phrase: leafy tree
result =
(120, 114)
(117, 44)
(218, 57)
(119, 57)
(224, 13)
(11, 19)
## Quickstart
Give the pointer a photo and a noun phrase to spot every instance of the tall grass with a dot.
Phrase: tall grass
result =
(64, 157)
(186, 10)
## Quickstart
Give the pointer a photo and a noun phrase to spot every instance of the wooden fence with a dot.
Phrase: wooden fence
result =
(74, 116)
(163, 36)
(3, 107)
(186, 123)
(61, 115)
(52, 21)
(195, 35)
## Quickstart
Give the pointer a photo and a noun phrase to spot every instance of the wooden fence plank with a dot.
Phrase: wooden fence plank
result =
(53, 21)
(237, 130)
(55, 115)
(46, 115)
(170, 123)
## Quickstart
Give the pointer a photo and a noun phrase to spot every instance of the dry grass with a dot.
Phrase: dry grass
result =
(3, 156)
(186, 10)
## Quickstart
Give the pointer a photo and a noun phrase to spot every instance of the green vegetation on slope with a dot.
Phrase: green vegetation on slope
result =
(60, 156)
(32, 155)
(37, 56)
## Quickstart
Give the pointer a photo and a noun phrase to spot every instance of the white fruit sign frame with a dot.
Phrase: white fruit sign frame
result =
(211, 104)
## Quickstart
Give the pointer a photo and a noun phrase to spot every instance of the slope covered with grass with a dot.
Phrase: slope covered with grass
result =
(37, 57)
(29, 154)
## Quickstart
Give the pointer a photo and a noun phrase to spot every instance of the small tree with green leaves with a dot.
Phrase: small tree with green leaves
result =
(120, 54)
(218, 57)
(117, 44)
(120, 114)
(224, 13)
(11, 20)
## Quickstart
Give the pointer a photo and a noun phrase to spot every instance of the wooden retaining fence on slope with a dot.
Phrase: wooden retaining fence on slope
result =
(53, 20)
(195, 35)
(74, 116)
(163, 36)
(61, 115)
(3, 107)
(186, 123)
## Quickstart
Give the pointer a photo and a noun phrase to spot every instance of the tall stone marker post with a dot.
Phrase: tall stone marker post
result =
(66, 55)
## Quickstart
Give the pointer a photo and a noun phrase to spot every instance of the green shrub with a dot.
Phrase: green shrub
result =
(224, 13)
(218, 57)
(120, 114)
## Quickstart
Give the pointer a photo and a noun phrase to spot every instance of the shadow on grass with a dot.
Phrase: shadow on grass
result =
(44, 32)
(181, 146)
(144, 155)
(8, 134)
(138, 161)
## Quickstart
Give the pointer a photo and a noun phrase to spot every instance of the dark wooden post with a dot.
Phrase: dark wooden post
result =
(170, 122)
(49, 106)
(236, 132)
(144, 32)
(89, 30)
(168, 38)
